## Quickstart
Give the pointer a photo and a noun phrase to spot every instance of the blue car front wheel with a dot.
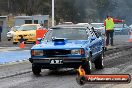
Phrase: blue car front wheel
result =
(87, 65)
(36, 69)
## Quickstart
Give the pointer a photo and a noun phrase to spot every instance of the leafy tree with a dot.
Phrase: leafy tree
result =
(65, 9)
(69, 10)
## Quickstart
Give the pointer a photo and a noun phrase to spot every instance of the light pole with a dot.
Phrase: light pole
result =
(53, 12)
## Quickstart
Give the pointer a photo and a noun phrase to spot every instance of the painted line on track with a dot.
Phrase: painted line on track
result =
(14, 56)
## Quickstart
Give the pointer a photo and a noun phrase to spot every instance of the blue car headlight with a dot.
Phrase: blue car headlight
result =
(37, 53)
(77, 52)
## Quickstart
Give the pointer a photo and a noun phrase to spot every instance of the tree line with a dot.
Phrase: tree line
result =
(69, 10)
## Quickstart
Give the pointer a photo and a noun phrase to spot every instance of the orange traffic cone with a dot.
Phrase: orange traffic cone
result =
(22, 45)
(130, 39)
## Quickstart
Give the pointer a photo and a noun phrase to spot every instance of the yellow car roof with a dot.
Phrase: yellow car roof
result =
(30, 24)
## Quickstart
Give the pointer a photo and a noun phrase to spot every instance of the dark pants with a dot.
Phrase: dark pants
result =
(0, 36)
(109, 37)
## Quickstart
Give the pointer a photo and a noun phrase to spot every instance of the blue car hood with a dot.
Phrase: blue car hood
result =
(69, 44)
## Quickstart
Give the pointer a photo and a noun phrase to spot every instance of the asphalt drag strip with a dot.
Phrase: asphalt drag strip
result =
(113, 55)
(116, 61)
(13, 55)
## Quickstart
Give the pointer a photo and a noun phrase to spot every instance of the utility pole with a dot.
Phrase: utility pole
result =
(53, 12)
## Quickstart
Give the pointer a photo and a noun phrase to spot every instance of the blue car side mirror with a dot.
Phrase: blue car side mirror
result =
(93, 38)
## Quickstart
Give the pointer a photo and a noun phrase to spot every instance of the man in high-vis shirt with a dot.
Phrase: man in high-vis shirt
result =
(109, 26)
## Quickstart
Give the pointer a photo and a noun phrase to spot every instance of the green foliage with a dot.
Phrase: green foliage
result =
(69, 10)
(101, 6)
(65, 9)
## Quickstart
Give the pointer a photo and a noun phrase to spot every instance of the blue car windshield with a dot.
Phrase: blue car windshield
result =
(68, 33)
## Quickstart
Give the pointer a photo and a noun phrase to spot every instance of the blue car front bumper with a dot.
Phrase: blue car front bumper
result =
(66, 62)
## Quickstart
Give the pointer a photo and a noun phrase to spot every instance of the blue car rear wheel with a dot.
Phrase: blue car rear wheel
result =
(99, 63)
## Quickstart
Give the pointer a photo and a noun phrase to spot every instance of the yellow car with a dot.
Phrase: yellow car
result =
(28, 32)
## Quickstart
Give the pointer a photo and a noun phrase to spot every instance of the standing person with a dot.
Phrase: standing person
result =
(61, 21)
(109, 26)
(0, 32)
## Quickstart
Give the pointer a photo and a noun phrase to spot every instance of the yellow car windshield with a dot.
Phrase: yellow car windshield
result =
(28, 27)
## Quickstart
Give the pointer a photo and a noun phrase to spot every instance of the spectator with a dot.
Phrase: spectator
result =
(109, 26)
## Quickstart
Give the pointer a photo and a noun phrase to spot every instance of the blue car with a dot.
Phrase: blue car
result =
(121, 29)
(68, 46)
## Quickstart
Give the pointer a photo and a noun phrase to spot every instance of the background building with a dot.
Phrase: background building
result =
(35, 19)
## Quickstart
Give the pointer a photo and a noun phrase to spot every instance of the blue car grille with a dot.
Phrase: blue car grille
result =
(54, 52)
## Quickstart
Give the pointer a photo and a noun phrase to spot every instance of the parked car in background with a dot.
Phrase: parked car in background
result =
(85, 24)
(68, 46)
(121, 29)
(65, 23)
(11, 32)
(28, 31)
